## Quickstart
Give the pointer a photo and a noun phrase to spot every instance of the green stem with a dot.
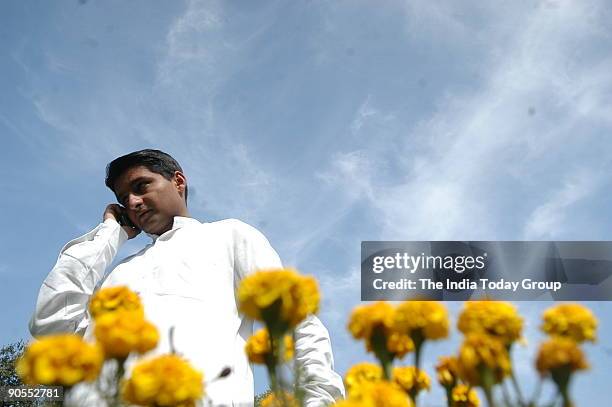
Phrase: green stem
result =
(567, 402)
(118, 377)
(274, 324)
(378, 342)
(271, 359)
(273, 379)
(488, 381)
(419, 340)
(413, 394)
(275, 383)
(449, 396)
(561, 377)
(273, 365)
(387, 369)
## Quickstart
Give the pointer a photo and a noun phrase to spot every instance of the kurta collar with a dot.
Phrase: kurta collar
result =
(179, 222)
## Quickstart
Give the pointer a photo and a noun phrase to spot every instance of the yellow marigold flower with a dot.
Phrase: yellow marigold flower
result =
(362, 373)
(166, 380)
(483, 351)
(380, 394)
(447, 371)
(495, 318)
(112, 299)
(574, 321)
(257, 347)
(59, 360)
(560, 353)
(272, 401)
(399, 344)
(296, 296)
(464, 396)
(123, 332)
(426, 318)
(366, 319)
(410, 379)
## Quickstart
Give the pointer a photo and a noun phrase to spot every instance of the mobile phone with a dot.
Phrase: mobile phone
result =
(124, 220)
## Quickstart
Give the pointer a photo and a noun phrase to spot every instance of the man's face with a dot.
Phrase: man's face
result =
(151, 200)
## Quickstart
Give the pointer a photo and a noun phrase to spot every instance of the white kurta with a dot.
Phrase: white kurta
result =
(186, 279)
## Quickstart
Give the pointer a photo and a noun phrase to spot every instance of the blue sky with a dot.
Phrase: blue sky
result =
(322, 123)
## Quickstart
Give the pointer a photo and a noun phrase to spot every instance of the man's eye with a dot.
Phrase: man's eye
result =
(141, 187)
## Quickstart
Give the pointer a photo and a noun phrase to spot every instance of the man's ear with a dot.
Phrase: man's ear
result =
(180, 181)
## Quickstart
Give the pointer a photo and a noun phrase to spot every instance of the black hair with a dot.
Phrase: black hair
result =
(155, 160)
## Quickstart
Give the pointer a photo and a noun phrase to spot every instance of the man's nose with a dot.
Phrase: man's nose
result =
(134, 202)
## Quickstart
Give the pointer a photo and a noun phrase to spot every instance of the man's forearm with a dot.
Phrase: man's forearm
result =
(63, 297)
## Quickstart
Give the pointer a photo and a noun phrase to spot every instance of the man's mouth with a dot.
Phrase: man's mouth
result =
(145, 215)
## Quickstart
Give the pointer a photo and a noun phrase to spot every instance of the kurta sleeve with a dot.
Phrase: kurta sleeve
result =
(313, 352)
(63, 297)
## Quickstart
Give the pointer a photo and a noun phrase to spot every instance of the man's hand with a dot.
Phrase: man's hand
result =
(113, 211)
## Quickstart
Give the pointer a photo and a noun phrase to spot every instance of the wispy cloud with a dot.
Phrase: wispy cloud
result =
(354, 168)
(517, 123)
(192, 48)
(367, 113)
(339, 293)
(548, 220)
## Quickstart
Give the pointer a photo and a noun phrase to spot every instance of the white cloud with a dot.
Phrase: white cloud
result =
(340, 293)
(79, 133)
(50, 116)
(520, 119)
(547, 221)
(187, 48)
(10, 124)
(256, 177)
(352, 169)
(229, 181)
(57, 65)
(367, 113)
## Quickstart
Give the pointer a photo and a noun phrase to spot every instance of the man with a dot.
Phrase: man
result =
(186, 278)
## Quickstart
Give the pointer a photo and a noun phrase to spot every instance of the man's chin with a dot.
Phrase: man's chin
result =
(155, 229)
(150, 227)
